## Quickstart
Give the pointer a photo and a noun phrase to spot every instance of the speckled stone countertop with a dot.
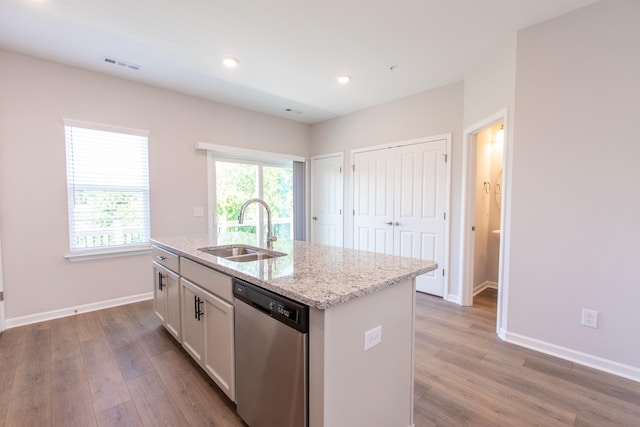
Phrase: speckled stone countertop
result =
(316, 275)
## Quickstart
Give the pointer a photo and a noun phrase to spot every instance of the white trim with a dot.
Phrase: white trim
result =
(595, 362)
(486, 285)
(324, 156)
(453, 298)
(2, 306)
(70, 311)
(247, 153)
(212, 212)
(405, 142)
(465, 284)
(106, 128)
(115, 252)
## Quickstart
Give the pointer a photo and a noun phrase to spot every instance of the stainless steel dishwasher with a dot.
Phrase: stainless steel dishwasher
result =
(271, 348)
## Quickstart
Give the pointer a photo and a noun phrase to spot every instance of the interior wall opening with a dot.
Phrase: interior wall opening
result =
(487, 218)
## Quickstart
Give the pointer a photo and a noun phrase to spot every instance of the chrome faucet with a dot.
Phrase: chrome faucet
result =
(270, 236)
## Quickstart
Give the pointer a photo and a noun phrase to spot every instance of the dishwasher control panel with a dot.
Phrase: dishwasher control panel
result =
(281, 308)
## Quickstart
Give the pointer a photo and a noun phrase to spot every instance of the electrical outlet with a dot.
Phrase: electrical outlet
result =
(372, 337)
(589, 318)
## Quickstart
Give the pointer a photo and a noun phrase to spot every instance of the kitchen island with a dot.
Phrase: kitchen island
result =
(349, 293)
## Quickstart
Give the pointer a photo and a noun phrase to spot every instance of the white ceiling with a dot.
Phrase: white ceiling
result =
(290, 51)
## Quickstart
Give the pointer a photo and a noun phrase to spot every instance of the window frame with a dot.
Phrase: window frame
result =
(246, 155)
(81, 254)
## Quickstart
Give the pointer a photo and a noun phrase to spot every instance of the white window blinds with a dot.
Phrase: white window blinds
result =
(108, 187)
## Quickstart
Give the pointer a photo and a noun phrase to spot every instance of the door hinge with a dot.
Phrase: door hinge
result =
(340, 169)
(353, 167)
(354, 212)
(443, 272)
(340, 212)
(445, 215)
(446, 157)
(2, 296)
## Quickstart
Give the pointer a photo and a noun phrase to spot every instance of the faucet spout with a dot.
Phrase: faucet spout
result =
(270, 236)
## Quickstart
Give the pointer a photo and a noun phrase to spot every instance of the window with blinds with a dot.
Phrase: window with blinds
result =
(108, 187)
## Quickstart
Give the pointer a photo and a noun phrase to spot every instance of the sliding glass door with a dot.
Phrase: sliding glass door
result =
(237, 181)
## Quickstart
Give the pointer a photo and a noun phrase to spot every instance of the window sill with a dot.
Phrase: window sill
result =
(89, 255)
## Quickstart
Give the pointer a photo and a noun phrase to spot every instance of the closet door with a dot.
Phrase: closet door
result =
(326, 199)
(419, 208)
(373, 176)
(399, 199)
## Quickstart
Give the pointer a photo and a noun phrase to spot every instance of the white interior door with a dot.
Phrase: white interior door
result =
(420, 206)
(400, 204)
(327, 200)
(373, 201)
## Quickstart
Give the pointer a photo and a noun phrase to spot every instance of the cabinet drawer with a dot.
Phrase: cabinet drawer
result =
(215, 282)
(166, 258)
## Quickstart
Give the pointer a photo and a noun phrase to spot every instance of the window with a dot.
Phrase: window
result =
(238, 181)
(108, 187)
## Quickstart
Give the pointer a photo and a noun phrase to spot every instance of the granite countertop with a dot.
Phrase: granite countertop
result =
(316, 275)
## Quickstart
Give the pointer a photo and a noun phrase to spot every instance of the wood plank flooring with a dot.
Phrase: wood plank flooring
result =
(119, 367)
(466, 376)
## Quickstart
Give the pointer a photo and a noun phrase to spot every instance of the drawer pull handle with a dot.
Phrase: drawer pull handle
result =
(160, 257)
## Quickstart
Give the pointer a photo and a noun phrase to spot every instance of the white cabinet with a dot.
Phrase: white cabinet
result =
(207, 323)
(192, 324)
(166, 290)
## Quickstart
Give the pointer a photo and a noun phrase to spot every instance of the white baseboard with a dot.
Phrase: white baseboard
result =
(64, 312)
(453, 298)
(615, 368)
(483, 286)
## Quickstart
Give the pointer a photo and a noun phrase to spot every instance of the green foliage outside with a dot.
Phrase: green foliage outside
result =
(236, 183)
(108, 218)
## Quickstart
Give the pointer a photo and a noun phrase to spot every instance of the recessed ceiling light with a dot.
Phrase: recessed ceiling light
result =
(343, 78)
(230, 61)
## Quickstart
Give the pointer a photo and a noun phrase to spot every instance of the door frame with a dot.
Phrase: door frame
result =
(313, 189)
(2, 306)
(467, 238)
(447, 226)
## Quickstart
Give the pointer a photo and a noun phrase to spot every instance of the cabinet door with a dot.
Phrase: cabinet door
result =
(159, 292)
(219, 352)
(172, 291)
(192, 322)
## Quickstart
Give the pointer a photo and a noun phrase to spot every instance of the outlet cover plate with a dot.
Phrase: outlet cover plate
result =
(590, 318)
(372, 337)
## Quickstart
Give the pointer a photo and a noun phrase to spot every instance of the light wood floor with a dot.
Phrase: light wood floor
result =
(118, 367)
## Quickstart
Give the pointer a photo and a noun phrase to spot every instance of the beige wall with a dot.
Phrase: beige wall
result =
(434, 112)
(35, 96)
(490, 86)
(575, 199)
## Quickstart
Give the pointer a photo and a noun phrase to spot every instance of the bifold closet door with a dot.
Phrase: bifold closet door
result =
(399, 197)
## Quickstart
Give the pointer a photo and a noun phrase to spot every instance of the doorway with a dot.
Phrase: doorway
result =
(485, 216)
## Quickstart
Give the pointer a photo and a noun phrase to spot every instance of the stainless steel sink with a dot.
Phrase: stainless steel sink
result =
(241, 253)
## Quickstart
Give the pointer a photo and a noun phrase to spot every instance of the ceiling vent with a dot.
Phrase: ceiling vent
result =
(120, 63)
